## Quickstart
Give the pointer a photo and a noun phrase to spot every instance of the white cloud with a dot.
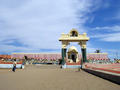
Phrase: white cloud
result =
(108, 28)
(39, 23)
(113, 37)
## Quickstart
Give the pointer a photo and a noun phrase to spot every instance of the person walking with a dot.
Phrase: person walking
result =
(14, 65)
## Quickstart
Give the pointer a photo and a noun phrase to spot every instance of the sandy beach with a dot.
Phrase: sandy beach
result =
(51, 77)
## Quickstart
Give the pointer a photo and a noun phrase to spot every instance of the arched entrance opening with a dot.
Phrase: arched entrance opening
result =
(25, 57)
(72, 57)
(72, 54)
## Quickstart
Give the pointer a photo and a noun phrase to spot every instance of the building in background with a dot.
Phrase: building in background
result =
(5, 56)
(56, 56)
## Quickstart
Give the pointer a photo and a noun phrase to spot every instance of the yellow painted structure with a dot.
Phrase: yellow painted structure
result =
(73, 36)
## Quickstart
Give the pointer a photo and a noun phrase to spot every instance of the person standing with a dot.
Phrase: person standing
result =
(14, 65)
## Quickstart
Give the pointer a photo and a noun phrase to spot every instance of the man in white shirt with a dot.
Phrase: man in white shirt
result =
(14, 65)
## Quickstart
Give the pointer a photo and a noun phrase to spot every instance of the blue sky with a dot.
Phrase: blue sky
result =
(36, 25)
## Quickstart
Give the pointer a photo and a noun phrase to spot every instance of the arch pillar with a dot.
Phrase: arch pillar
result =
(63, 51)
(83, 50)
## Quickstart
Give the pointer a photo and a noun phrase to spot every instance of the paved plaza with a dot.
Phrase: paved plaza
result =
(46, 77)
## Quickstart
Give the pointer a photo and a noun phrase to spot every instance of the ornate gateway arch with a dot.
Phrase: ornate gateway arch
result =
(73, 36)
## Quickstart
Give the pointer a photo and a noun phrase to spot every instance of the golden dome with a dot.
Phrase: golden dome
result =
(72, 49)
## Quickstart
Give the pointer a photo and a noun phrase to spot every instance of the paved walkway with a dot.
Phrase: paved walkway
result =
(52, 78)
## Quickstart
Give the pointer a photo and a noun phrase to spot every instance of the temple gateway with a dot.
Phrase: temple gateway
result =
(70, 58)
